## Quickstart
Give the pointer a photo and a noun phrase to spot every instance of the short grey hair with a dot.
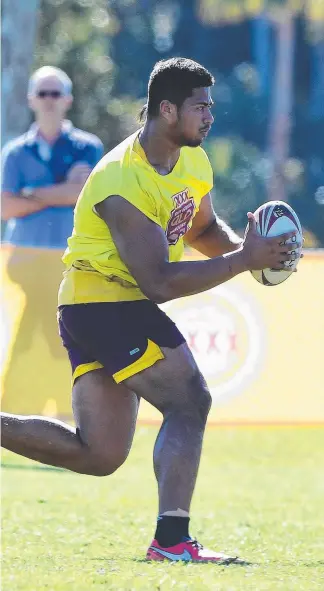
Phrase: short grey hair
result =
(47, 71)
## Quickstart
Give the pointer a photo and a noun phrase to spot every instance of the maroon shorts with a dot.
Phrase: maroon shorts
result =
(122, 337)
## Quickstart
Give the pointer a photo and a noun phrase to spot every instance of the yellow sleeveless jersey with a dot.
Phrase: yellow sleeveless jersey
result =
(94, 270)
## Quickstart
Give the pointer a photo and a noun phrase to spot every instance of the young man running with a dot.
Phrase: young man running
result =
(144, 199)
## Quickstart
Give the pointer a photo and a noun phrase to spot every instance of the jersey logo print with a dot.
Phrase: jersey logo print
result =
(184, 556)
(180, 216)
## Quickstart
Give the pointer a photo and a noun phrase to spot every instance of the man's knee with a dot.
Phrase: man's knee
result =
(200, 396)
(97, 461)
(104, 465)
(194, 399)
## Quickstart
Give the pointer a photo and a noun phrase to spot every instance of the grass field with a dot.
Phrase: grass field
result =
(260, 493)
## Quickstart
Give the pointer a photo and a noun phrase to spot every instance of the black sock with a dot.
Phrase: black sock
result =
(171, 530)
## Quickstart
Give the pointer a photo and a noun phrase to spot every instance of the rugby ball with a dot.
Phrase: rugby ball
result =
(274, 218)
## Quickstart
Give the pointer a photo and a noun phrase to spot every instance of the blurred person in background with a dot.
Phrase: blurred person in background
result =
(43, 172)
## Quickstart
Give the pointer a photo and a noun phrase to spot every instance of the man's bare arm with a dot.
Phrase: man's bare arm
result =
(65, 194)
(18, 206)
(13, 206)
(61, 194)
(209, 234)
(143, 247)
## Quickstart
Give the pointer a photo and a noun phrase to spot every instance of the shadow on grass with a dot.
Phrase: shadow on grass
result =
(170, 562)
(244, 563)
(32, 467)
(290, 563)
(184, 563)
(312, 563)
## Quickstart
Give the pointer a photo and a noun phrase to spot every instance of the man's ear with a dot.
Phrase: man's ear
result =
(168, 111)
(31, 102)
(68, 101)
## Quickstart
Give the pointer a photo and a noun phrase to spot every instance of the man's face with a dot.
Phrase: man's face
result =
(48, 99)
(194, 118)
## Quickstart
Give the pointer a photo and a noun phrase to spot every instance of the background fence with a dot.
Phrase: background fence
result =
(260, 348)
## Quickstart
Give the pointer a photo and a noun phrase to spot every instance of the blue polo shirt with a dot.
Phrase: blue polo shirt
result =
(29, 162)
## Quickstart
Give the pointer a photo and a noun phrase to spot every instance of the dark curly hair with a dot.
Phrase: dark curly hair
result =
(173, 80)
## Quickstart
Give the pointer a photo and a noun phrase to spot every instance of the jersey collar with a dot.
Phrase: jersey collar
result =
(32, 133)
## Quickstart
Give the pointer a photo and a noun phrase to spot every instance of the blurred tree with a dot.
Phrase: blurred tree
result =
(77, 36)
(18, 31)
(239, 173)
(281, 105)
(292, 127)
(108, 47)
(133, 46)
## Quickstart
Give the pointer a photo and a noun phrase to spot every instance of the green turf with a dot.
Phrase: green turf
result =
(260, 493)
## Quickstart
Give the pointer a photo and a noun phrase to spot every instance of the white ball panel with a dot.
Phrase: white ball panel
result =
(281, 225)
(276, 277)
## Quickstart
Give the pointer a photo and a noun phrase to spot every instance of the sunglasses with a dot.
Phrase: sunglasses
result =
(54, 94)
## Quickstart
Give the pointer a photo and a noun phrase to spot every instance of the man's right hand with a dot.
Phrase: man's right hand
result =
(261, 252)
(142, 246)
(16, 206)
